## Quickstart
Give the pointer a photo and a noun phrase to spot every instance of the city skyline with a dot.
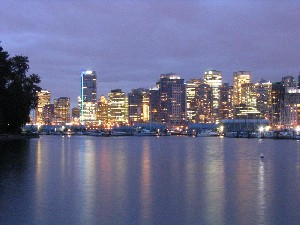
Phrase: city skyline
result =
(129, 44)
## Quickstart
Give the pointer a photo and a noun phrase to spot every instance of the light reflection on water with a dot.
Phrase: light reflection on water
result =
(150, 180)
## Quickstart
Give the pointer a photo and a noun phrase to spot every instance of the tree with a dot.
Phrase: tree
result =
(17, 92)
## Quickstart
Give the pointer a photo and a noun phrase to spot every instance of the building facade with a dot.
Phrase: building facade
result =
(62, 111)
(43, 99)
(117, 112)
(213, 78)
(88, 97)
(172, 91)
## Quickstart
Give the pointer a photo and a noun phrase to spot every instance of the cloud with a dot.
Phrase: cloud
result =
(129, 43)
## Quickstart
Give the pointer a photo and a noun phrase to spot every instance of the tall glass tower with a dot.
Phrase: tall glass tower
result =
(88, 96)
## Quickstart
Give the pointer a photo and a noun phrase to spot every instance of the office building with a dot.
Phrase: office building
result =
(213, 78)
(62, 111)
(172, 92)
(117, 107)
(102, 110)
(43, 99)
(88, 97)
(191, 107)
(136, 106)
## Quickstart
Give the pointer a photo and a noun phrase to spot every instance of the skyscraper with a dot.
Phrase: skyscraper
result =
(43, 99)
(135, 105)
(62, 111)
(213, 78)
(191, 90)
(239, 78)
(172, 99)
(88, 96)
(117, 107)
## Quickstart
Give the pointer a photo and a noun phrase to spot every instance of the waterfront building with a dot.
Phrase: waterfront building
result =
(76, 115)
(102, 116)
(61, 111)
(117, 107)
(291, 107)
(172, 92)
(204, 104)
(136, 106)
(277, 110)
(43, 99)
(48, 114)
(226, 108)
(88, 97)
(213, 78)
(154, 105)
(239, 79)
(263, 91)
(191, 90)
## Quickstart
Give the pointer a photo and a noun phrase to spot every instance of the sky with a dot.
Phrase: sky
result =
(130, 43)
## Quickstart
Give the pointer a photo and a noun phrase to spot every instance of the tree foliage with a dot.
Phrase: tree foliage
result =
(17, 92)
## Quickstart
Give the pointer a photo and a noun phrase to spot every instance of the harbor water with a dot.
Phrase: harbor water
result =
(149, 180)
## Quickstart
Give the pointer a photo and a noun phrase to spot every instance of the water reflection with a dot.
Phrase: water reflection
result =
(261, 195)
(146, 195)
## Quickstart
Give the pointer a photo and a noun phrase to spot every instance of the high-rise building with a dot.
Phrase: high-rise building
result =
(191, 90)
(277, 115)
(102, 110)
(135, 105)
(213, 78)
(48, 114)
(226, 109)
(172, 99)
(117, 107)
(263, 91)
(154, 105)
(239, 78)
(62, 111)
(76, 116)
(43, 99)
(204, 104)
(88, 96)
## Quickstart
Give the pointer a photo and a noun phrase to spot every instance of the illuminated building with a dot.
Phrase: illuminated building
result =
(247, 108)
(75, 115)
(191, 107)
(48, 114)
(239, 102)
(263, 91)
(61, 111)
(172, 99)
(225, 108)
(117, 107)
(88, 96)
(102, 110)
(278, 92)
(239, 78)
(213, 78)
(135, 106)
(204, 104)
(43, 99)
(154, 105)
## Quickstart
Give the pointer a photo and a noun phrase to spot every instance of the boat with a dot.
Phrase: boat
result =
(145, 132)
(269, 134)
(116, 133)
(208, 133)
(232, 134)
(94, 133)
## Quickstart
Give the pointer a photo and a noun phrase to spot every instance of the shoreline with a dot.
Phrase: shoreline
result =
(16, 137)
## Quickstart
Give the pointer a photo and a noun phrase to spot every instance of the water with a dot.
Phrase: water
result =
(149, 180)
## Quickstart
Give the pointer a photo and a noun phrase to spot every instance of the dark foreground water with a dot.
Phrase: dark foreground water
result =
(149, 180)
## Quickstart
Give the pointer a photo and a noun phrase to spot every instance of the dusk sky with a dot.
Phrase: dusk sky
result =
(130, 43)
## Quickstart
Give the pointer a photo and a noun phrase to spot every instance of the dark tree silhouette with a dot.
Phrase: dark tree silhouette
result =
(17, 92)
